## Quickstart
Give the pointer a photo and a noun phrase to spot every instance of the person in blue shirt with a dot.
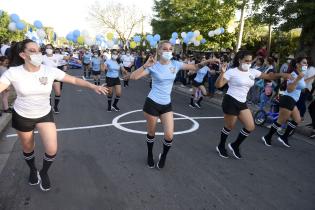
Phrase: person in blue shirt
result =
(112, 80)
(199, 89)
(96, 63)
(86, 60)
(158, 103)
(288, 108)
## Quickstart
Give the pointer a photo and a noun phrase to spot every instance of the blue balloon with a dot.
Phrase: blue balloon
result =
(31, 30)
(190, 34)
(76, 33)
(149, 37)
(222, 30)
(174, 35)
(34, 38)
(98, 37)
(203, 41)
(153, 43)
(173, 41)
(137, 39)
(15, 18)
(20, 25)
(186, 40)
(38, 24)
(157, 37)
(69, 37)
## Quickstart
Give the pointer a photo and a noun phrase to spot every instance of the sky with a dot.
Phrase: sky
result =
(66, 15)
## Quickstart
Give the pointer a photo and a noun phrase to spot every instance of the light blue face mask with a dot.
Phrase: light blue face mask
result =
(304, 68)
(167, 55)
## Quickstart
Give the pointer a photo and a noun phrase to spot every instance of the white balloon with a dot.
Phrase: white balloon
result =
(211, 34)
(110, 44)
(196, 33)
(12, 26)
(196, 43)
(41, 33)
(217, 31)
(88, 41)
(183, 34)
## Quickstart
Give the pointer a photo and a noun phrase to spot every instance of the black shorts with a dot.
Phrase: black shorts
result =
(287, 102)
(61, 67)
(231, 106)
(86, 64)
(155, 109)
(96, 73)
(196, 84)
(110, 82)
(27, 124)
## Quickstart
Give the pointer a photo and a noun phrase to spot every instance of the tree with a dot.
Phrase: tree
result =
(115, 17)
(190, 15)
(5, 34)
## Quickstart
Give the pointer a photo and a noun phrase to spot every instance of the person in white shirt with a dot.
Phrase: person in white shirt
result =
(33, 84)
(240, 79)
(128, 62)
(53, 60)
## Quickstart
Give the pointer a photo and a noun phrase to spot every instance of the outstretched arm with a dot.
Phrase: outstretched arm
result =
(221, 81)
(195, 67)
(140, 72)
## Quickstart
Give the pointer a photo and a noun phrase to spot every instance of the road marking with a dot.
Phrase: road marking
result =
(118, 124)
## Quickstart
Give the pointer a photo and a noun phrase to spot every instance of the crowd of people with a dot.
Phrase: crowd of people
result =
(242, 77)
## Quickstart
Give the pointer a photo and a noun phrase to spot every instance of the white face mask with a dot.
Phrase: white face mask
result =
(167, 55)
(288, 61)
(49, 51)
(114, 57)
(245, 66)
(304, 68)
(36, 59)
(95, 55)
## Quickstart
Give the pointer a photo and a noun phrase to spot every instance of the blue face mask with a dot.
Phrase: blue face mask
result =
(304, 68)
(167, 55)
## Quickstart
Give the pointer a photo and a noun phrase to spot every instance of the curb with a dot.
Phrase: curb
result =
(4, 121)
(303, 130)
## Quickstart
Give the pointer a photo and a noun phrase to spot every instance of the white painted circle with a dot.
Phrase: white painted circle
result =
(119, 126)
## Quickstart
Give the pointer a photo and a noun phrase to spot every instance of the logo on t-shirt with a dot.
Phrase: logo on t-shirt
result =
(252, 77)
(172, 70)
(43, 80)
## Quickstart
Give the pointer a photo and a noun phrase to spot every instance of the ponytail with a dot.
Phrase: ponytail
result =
(16, 49)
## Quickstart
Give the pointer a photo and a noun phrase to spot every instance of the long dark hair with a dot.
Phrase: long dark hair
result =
(239, 56)
(16, 49)
(293, 64)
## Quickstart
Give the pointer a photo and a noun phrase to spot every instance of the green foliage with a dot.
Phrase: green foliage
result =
(5, 34)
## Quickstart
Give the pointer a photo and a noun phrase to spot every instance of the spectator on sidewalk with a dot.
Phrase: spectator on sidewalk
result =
(266, 94)
(4, 64)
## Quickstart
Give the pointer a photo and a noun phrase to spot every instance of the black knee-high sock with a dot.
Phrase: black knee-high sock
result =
(192, 99)
(30, 160)
(57, 100)
(290, 127)
(224, 135)
(150, 143)
(89, 74)
(84, 73)
(166, 147)
(116, 100)
(241, 137)
(199, 100)
(109, 101)
(125, 83)
(47, 161)
(275, 126)
(98, 81)
(95, 83)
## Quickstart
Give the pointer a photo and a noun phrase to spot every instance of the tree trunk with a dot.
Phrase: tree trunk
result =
(269, 40)
(240, 34)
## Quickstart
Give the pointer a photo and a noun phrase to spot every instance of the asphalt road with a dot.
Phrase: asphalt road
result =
(103, 166)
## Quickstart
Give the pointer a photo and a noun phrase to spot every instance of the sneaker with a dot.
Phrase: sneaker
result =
(161, 162)
(285, 142)
(115, 108)
(312, 136)
(198, 105)
(192, 105)
(109, 109)
(266, 141)
(9, 110)
(222, 152)
(56, 110)
(235, 151)
(150, 161)
(34, 178)
(44, 181)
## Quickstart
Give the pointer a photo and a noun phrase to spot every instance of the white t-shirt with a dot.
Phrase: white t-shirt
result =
(32, 88)
(240, 82)
(127, 60)
(52, 61)
(309, 73)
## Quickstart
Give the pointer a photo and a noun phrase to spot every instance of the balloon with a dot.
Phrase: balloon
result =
(157, 37)
(88, 41)
(20, 25)
(217, 31)
(110, 44)
(199, 38)
(222, 30)
(190, 34)
(174, 35)
(75, 39)
(1, 12)
(196, 33)
(80, 40)
(173, 41)
(183, 35)
(196, 43)
(38, 24)
(76, 33)
(137, 39)
(84, 33)
(69, 37)
(153, 43)
(34, 38)
(14, 18)
(12, 26)
(211, 33)
(186, 40)
(149, 37)
(133, 45)
(110, 36)
(41, 33)
(203, 41)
